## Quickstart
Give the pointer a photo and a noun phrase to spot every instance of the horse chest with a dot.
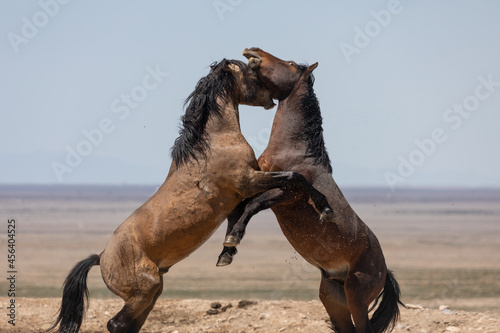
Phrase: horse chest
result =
(281, 161)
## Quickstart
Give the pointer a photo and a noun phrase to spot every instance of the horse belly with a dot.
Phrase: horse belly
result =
(179, 244)
(186, 226)
(317, 242)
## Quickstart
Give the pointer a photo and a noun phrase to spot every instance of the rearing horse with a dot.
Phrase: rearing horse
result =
(213, 170)
(349, 256)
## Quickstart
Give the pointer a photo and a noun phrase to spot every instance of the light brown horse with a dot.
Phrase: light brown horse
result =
(213, 170)
(349, 256)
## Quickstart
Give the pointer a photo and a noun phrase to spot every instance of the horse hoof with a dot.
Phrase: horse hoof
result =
(114, 326)
(231, 241)
(224, 260)
(328, 216)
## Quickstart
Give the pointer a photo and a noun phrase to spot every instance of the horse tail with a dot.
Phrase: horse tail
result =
(387, 314)
(75, 295)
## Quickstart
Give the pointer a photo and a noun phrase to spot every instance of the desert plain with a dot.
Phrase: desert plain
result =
(442, 244)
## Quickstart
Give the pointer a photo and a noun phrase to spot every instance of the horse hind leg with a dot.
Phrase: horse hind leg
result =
(138, 322)
(360, 289)
(139, 285)
(136, 309)
(332, 295)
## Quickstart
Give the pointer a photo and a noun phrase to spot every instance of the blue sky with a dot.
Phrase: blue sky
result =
(409, 90)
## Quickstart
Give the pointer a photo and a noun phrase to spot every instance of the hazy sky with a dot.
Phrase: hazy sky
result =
(409, 90)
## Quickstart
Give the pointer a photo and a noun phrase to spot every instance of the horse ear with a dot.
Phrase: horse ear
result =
(231, 68)
(308, 71)
(312, 67)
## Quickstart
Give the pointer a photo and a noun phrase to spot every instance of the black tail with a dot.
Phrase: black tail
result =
(387, 313)
(75, 295)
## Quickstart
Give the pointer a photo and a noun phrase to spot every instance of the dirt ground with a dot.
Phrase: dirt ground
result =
(444, 247)
(171, 316)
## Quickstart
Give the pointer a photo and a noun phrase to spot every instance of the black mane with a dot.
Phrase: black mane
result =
(201, 105)
(313, 131)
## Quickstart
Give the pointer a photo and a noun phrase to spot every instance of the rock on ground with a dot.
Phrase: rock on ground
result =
(194, 315)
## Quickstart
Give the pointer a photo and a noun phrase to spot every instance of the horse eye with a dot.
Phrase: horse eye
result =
(291, 64)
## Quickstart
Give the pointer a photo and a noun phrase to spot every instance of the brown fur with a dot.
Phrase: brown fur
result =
(200, 191)
(346, 251)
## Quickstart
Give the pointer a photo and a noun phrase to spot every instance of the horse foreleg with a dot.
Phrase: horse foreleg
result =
(226, 256)
(259, 181)
(262, 202)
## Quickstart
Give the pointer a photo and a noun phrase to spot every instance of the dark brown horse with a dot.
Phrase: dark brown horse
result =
(213, 170)
(349, 256)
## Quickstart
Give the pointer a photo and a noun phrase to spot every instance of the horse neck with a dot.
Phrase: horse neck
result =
(298, 127)
(227, 121)
(289, 121)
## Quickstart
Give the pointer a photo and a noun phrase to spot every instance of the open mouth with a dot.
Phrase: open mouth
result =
(270, 105)
(252, 56)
